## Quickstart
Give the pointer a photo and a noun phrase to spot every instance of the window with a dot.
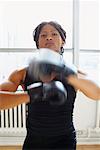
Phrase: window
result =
(89, 24)
(19, 19)
(89, 57)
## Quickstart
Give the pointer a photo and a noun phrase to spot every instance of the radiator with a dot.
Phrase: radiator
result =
(13, 121)
(13, 127)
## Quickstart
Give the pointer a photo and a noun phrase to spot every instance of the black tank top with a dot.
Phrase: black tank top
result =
(47, 120)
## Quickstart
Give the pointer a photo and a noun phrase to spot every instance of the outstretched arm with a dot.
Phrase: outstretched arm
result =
(11, 99)
(8, 95)
(86, 86)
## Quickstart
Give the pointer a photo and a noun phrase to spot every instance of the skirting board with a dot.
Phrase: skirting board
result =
(87, 136)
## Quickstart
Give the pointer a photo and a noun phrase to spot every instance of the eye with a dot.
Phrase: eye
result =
(43, 35)
(54, 34)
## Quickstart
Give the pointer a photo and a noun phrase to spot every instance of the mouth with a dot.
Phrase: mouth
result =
(49, 44)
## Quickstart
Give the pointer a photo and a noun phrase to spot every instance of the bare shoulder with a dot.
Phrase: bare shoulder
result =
(17, 76)
(14, 80)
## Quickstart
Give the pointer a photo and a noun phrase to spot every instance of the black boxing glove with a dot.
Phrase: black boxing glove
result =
(48, 62)
(44, 63)
(54, 92)
(66, 70)
(35, 91)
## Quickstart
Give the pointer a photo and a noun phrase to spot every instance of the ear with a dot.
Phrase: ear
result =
(62, 43)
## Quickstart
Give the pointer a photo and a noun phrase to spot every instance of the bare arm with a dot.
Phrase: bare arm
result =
(11, 99)
(8, 96)
(88, 87)
(13, 81)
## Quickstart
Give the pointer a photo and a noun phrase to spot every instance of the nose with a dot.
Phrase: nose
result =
(49, 37)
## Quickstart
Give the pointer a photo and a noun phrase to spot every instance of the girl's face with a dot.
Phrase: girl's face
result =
(50, 38)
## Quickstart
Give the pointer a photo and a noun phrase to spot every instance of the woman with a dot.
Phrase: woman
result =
(48, 126)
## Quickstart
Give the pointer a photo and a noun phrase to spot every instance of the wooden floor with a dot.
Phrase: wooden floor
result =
(79, 147)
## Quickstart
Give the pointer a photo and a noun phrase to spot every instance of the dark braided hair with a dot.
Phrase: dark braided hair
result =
(57, 26)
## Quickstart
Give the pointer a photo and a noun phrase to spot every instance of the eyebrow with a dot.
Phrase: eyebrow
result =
(50, 31)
